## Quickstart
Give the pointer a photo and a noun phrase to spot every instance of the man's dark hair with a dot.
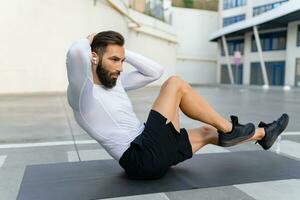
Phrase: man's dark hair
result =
(103, 39)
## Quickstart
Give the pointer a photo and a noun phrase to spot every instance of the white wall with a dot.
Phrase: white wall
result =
(35, 36)
(196, 56)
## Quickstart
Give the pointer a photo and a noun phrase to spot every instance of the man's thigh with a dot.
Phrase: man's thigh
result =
(167, 103)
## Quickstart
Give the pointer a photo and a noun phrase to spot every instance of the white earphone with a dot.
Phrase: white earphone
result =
(94, 60)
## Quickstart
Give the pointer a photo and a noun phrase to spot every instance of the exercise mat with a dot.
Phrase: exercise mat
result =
(106, 179)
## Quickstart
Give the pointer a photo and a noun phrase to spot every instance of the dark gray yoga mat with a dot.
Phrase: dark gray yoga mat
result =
(105, 179)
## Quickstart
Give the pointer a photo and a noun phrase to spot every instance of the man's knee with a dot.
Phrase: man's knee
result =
(176, 82)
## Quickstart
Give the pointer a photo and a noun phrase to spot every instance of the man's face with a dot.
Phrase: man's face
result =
(111, 65)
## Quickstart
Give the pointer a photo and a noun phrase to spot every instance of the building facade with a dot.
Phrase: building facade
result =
(171, 36)
(275, 59)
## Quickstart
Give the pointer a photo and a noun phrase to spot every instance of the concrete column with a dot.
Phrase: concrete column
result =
(262, 62)
(246, 58)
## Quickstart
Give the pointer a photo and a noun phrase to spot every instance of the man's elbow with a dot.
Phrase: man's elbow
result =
(74, 49)
(71, 53)
(75, 52)
(159, 73)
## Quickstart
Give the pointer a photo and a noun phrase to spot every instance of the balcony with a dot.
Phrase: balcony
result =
(159, 9)
(197, 4)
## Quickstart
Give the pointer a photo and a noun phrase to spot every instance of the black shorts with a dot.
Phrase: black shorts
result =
(157, 148)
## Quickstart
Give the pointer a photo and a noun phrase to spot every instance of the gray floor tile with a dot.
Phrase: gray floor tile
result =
(216, 193)
(279, 190)
(2, 160)
(99, 154)
(156, 196)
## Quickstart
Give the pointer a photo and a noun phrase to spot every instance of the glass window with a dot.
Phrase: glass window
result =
(266, 44)
(237, 72)
(269, 7)
(240, 47)
(298, 36)
(254, 47)
(233, 46)
(225, 74)
(225, 4)
(275, 5)
(244, 2)
(275, 43)
(254, 12)
(264, 8)
(233, 3)
(231, 20)
(256, 77)
(270, 41)
(275, 73)
(282, 43)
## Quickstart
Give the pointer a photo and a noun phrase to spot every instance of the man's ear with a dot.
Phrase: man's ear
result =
(95, 58)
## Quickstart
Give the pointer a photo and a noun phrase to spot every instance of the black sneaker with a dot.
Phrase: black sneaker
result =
(272, 131)
(238, 133)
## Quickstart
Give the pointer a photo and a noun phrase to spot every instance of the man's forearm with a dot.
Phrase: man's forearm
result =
(146, 71)
(144, 65)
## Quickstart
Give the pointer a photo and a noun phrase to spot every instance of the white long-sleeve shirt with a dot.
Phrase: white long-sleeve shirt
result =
(107, 114)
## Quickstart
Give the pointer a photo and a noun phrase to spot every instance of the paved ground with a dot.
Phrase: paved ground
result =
(37, 129)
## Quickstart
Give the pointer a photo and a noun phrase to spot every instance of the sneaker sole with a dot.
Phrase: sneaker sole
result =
(237, 140)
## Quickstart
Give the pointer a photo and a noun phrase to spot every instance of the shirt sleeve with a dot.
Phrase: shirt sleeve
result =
(146, 71)
(79, 73)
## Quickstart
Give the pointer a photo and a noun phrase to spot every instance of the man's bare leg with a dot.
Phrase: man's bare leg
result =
(176, 93)
(199, 137)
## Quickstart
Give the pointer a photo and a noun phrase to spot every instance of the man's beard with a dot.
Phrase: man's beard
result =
(105, 76)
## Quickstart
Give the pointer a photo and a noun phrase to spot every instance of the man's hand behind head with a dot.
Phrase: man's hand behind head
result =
(91, 37)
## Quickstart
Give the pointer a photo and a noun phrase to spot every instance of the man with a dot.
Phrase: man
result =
(97, 95)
